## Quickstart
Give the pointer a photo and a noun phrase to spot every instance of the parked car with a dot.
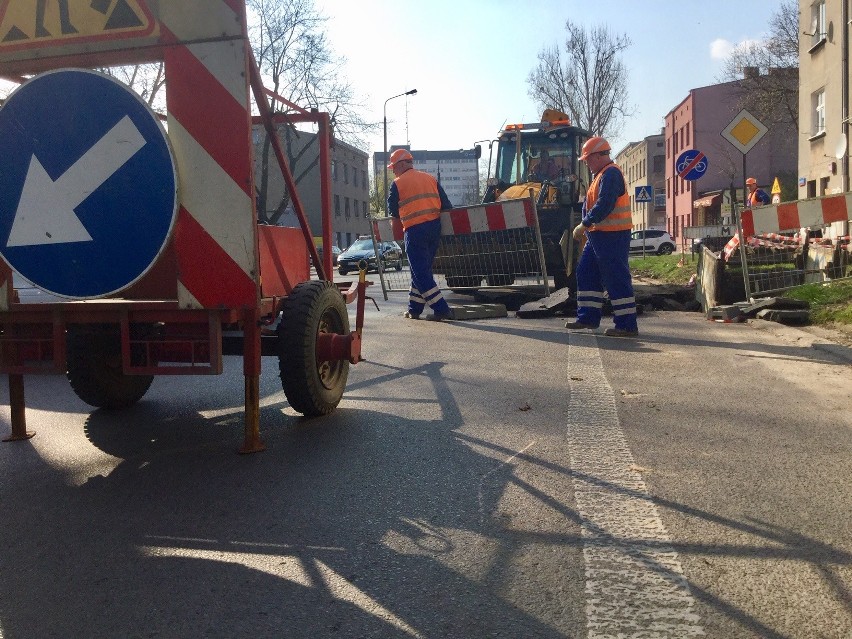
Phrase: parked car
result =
(335, 252)
(652, 241)
(389, 252)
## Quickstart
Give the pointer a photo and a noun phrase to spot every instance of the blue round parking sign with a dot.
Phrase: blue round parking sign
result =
(691, 164)
(89, 192)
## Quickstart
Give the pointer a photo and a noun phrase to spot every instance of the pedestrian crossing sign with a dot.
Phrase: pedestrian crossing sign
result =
(644, 193)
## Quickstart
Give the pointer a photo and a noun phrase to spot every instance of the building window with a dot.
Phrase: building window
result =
(818, 25)
(364, 208)
(354, 177)
(818, 111)
(346, 212)
(334, 170)
(337, 206)
(346, 174)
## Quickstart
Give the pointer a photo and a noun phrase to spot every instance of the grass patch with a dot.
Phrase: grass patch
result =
(665, 268)
(830, 302)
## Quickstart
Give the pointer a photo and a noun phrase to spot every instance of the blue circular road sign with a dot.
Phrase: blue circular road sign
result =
(691, 164)
(88, 197)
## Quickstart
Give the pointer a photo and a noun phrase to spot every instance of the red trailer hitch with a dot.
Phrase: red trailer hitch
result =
(332, 346)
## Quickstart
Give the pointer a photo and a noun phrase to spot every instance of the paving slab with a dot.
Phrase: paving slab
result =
(478, 311)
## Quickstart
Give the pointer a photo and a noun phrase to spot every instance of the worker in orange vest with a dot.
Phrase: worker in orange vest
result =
(415, 201)
(756, 196)
(603, 265)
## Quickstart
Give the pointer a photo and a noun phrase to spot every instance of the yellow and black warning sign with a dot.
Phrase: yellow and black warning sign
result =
(31, 23)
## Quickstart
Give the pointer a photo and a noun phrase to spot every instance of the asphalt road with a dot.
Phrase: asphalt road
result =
(491, 478)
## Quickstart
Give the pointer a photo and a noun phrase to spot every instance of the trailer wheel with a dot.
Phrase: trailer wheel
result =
(312, 387)
(95, 370)
(500, 279)
(463, 281)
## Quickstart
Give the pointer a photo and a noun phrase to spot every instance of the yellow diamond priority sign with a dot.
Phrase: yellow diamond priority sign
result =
(36, 23)
(744, 131)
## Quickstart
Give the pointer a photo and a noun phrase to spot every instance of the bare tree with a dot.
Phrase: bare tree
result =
(767, 71)
(146, 79)
(589, 83)
(293, 54)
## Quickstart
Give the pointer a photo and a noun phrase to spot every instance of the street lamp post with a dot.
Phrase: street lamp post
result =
(385, 154)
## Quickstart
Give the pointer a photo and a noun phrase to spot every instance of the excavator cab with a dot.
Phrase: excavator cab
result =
(545, 157)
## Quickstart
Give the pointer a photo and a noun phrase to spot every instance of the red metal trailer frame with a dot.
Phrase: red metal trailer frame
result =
(199, 284)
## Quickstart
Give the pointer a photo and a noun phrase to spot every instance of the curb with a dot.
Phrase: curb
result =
(814, 337)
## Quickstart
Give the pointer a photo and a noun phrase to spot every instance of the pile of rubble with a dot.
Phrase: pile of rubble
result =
(773, 309)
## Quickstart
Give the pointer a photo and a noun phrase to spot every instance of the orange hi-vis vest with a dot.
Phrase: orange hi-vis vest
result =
(418, 198)
(620, 218)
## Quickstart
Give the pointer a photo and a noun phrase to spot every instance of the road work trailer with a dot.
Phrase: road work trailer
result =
(148, 233)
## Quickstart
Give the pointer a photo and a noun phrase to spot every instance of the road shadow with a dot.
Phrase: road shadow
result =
(362, 524)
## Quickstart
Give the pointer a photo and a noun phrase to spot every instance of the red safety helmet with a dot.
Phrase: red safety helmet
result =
(594, 145)
(398, 156)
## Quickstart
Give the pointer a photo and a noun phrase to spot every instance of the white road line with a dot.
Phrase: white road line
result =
(635, 586)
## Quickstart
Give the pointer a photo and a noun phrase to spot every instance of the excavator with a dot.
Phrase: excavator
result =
(541, 159)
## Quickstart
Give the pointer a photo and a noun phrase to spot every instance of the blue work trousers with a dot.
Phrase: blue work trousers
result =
(421, 244)
(603, 266)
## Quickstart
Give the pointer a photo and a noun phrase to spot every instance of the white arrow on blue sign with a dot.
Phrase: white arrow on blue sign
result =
(644, 193)
(691, 164)
(89, 195)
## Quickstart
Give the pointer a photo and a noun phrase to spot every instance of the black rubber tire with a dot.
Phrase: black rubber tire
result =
(342, 271)
(312, 387)
(399, 265)
(463, 281)
(666, 249)
(95, 371)
(500, 279)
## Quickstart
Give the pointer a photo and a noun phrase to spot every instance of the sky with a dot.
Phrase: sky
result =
(469, 59)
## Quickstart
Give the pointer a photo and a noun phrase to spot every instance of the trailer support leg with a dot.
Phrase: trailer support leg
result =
(251, 369)
(16, 404)
(252, 442)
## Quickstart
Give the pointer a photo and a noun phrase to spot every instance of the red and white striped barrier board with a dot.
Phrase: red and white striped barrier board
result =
(497, 216)
(792, 216)
(210, 131)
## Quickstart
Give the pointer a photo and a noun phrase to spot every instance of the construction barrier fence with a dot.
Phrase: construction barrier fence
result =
(791, 244)
(488, 245)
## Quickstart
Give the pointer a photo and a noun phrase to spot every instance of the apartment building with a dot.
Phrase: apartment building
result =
(697, 123)
(350, 186)
(643, 165)
(456, 170)
(824, 97)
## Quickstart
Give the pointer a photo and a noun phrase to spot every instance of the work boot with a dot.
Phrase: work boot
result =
(577, 325)
(621, 332)
(410, 315)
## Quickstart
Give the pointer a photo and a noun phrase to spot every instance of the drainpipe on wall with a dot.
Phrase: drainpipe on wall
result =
(844, 99)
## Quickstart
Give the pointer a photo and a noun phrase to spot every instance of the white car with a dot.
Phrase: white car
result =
(652, 241)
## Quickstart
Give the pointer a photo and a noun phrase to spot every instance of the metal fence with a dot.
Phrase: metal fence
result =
(772, 262)
(489, 245)
(792, 244)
